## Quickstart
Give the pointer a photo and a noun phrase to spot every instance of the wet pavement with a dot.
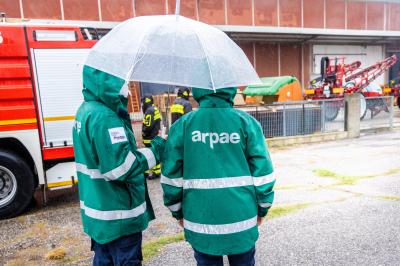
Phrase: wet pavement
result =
(335, 223)
(339, 224)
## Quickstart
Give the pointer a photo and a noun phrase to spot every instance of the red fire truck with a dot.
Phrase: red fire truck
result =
(40, 91)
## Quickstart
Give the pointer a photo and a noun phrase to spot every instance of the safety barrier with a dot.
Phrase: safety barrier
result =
(377, 112)
(299, 118)
(285, 119)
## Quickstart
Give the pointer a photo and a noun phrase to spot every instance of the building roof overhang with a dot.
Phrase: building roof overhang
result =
(309, 35)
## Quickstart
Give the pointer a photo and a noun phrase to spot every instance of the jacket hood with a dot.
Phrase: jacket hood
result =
(107, 89)
(209, 98)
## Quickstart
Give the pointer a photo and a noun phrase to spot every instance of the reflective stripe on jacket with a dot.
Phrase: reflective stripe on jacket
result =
(180, 107)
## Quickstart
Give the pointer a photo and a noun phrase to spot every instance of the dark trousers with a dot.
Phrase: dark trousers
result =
(244, 259)
(126, 250)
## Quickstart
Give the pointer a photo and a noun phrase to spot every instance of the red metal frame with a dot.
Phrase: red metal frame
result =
(17, 87)
(58, 153)
(339, 74)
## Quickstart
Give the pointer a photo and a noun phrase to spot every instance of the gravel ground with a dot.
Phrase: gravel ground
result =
(343, 225)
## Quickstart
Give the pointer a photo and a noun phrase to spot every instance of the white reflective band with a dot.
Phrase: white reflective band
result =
(93, 173)
(176, 207)
(111, 175)
(264, 204)
(223, 182)
(176, 182)
(148, 153)
(220, 229)
(214, 183)
(262, 180)
(113, 215)
(122, 169)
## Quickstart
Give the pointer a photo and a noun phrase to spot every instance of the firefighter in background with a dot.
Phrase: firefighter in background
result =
(150, 129)
(181, 105)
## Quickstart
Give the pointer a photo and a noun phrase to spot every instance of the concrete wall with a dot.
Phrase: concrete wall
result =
(334, 14)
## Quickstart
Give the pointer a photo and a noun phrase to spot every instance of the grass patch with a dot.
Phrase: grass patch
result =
(56, 254)
(391, 172)
(351, 180)
(343, 179)
(395, 198)
(279, 211)
(152, 248)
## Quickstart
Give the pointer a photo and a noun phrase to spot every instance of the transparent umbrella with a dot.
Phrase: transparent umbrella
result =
(172, 50)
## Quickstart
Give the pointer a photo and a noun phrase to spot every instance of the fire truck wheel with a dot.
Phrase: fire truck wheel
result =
(16, 184)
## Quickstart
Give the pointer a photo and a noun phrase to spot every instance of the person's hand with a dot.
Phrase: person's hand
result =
(180, 222)
(260, 220)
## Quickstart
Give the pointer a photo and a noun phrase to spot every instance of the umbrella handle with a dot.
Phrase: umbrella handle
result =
(177, 7)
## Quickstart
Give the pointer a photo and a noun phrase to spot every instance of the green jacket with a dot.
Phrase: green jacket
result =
(217, 175)
(112, 189)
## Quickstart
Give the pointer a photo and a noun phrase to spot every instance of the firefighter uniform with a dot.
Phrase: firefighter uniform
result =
(181, 105)
(150, 128)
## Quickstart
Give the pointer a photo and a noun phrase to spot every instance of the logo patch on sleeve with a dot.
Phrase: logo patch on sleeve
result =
(117, 134)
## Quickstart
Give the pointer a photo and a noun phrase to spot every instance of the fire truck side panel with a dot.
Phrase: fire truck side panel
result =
(40, 90)
(58, 79)
(30, 140)
(17, 107)
(57, 57)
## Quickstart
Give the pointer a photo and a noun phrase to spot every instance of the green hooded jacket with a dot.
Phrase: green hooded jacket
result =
(217, 175)
(112, 189)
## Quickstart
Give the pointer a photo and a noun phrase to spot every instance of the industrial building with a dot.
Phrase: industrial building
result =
(280, 37)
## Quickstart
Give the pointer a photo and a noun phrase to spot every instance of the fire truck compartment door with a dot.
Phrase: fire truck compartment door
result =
(58, 77)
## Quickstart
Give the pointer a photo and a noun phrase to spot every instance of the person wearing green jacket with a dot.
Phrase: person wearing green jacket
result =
(114, 201)
(217, 178)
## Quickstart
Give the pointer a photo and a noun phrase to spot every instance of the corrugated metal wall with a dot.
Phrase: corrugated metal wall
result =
(336, 14)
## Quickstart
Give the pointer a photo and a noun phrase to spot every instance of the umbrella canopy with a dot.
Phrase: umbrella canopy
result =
(172, 50)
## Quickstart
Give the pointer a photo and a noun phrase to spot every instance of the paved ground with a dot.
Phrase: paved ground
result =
(336, 223)
(342, 224)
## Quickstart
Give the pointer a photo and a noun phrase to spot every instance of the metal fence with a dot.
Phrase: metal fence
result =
(377, 112)
(303, 118)
(299, 118)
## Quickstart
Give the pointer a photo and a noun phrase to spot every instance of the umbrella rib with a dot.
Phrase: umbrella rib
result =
(136, 60)
(208, 62)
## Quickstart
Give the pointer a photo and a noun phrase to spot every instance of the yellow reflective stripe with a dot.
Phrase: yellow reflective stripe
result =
(147, 120)
(146, 141)
(156, 114)
(59, 118)
(177, 108)
(17, 121)
(62, 184)
(33, 120)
